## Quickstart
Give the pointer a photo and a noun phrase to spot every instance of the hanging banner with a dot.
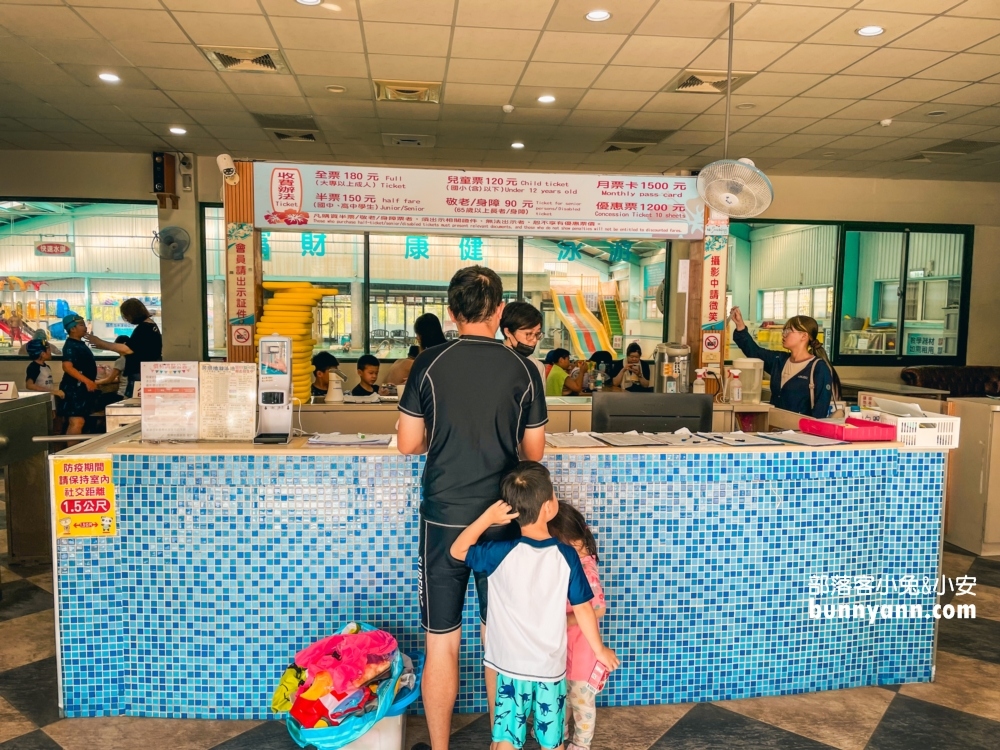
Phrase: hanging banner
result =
(713, 296)
(297, 196)
(84, 496)
(240, 289)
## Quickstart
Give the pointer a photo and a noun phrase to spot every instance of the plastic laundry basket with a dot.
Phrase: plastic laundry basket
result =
(388, 733)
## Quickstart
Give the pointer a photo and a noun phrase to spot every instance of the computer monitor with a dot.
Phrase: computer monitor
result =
(651, 412)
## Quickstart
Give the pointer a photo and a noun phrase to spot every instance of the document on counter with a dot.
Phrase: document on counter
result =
(624, 439)
(802, 438)
(739, 439)
(170, 400)
(356, 438)
(228, 398)
(572, 440)
(673, 438)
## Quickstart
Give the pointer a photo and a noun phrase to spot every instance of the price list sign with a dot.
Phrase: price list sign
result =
(297, 196)
(84, 495)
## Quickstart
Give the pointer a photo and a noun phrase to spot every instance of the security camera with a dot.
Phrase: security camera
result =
(508, 108)
(885, 123)
(228, 169)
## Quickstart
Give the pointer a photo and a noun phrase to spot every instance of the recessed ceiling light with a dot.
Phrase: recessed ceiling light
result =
(178, 131)
(308, 2)
(337, 89)
(745, 106)
(937, 113)
(517, 144)
(546, 99)
(863, 31)
(109, 78)
(598, 15)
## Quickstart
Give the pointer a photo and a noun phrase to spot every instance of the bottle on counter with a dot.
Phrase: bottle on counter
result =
(735, 387)
(699, 381)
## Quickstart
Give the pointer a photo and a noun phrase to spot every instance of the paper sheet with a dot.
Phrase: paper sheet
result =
(170, 400)
(674, 438)
(228, 400)
(572, 440)
(624, 439)
(801, 438)
(354, 438)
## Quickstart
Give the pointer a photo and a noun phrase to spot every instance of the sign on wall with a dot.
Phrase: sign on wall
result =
(84, 494)
(297, 196)
(240, 289)
(49, 249)
(713, 296)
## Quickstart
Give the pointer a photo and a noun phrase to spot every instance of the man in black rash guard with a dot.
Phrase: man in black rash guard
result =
(473, 431)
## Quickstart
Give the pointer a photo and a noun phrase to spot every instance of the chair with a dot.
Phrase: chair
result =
(651, 412)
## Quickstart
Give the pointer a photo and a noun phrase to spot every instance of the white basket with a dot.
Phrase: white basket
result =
(387, 734)
(920, 432)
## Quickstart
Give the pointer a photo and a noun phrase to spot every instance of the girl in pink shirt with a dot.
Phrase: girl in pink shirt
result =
(570, 527)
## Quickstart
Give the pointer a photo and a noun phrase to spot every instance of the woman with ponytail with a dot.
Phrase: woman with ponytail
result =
(802, 379)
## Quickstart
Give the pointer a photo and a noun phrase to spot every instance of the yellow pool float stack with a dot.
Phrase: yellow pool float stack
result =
(289, 312)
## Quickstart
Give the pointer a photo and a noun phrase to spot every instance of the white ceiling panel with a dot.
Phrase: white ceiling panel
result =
(850, 87)
(607, 100)
(896, 62)
(78, 51)
(783, 24)
(481, 94)
(667, 52)
(185, 80)
(493, 44)
(564, 75)
(56, 22)
(747, 55)
(227, 29)
(326, 11)
(497, 72)
(781, 84)
(700, 18)
(572, 47)
(570, 15)
(340, 64)
(162, 55)
(117, 24)
(977, 9)
(318, 34)
(510, 14)
(630, 78)
(985, 94)
(399, 67)
(964, 67)
(407, 39)
(954, 34)
(915, 90)
(818, 58)
(842, 30)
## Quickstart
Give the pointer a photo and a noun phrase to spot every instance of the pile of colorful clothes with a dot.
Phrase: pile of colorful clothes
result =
(341, 677)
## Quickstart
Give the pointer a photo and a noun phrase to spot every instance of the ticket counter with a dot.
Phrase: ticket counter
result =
(716, 561)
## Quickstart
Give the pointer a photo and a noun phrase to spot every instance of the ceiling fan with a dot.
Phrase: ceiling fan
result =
(734, 187)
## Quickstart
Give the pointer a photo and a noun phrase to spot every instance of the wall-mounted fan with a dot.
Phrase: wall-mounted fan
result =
(170, 243)
(734, 187)
(661, 291)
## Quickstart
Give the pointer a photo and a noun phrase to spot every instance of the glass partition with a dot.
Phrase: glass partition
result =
(870, 292)
(84, 257)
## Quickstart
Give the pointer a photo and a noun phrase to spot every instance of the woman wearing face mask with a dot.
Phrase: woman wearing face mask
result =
(802, 379)
(521, 327)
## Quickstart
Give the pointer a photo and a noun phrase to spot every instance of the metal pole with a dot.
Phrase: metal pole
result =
(520, 268)
(668, 261)
(729, 78)
(366, 292)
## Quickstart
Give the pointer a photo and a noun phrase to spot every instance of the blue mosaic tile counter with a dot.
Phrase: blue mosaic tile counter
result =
(227, 564)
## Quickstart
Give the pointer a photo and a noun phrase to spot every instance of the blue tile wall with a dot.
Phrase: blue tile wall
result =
(225, 566)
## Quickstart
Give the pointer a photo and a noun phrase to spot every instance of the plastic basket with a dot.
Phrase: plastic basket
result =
(922, 432)
(860, 431)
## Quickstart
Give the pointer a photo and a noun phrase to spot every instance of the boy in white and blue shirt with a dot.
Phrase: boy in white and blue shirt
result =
(530, 580)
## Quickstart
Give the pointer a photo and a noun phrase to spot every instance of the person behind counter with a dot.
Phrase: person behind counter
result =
(634, 375)
(117, 370)
(521, 328)
(144, 345)
(322, 363)
(564, 379)
(802, 379)
(367, 373)
(400, 369)
(429, 331)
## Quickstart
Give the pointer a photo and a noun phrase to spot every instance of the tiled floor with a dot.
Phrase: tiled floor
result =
(961, 709)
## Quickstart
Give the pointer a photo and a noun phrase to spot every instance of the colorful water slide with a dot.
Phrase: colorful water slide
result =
(26, 331)
(586, 333)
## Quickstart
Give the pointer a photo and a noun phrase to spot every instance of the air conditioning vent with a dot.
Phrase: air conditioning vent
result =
(295, 136)
(246, 59)
(959, 147)
(407, 91)
(408, 141)
(285, 122)
(635, 148)
(634, 140)
(707, 81)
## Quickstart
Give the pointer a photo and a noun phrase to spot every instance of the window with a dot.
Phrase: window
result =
(653, 276)
(924, 320)
(84, 257)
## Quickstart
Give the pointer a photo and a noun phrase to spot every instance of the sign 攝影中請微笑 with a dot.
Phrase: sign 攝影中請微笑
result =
(297, 196)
